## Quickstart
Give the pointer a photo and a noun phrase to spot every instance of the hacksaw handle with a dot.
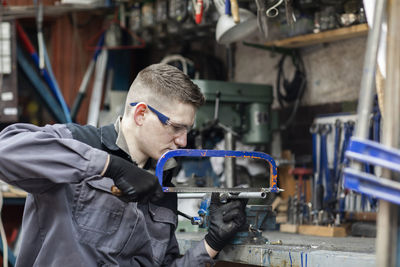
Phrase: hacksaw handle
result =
(219, 153)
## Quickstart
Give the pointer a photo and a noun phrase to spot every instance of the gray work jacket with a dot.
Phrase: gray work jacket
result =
(70, 216)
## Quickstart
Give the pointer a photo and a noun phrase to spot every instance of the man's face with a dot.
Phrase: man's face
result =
(158, 138)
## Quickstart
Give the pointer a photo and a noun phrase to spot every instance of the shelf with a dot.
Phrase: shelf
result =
(16, 12)
(322, 37)
(15, 194)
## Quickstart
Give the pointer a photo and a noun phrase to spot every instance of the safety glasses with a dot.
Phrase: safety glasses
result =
(175, 128)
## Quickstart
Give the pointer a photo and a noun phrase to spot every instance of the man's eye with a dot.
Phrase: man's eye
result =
(177, 128)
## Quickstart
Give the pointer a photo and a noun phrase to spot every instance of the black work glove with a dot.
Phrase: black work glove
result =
(225, 220)
(136, 184)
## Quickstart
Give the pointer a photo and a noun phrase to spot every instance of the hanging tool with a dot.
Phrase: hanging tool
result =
(338, 137)
(376, 136)
(273, 11)
(319, 189)
(325, 130)
(299, 174)
(348, 132)
(228, 8)
(262, 19)
(198, 8)
(290, 17)
(85, 81)
(178, 10)
(235, 11)
(39, 25)
(316, 195)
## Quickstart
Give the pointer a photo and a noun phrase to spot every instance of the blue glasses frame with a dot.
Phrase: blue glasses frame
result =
(177, 128)
(164, 119)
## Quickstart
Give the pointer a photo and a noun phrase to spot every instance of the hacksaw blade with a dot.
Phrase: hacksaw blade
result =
(213, 190)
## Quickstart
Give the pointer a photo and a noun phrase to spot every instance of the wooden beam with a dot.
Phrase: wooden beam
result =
(327, 231)
(322, 37)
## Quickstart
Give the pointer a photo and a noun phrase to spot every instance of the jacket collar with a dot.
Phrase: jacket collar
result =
(108, 136)
(113, 139)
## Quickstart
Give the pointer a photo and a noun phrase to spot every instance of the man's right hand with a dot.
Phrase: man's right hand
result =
(225, 221)
(136, 184)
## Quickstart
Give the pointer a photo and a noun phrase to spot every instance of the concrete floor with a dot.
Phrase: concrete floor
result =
(295, 250)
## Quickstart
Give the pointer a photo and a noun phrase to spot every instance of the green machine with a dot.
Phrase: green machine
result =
(244, 108)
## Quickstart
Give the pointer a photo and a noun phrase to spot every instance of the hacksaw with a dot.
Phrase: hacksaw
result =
(229, 192)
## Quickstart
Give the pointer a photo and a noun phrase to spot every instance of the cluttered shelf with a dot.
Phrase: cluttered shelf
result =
(321, 37)
(30, 11)
(12, 195)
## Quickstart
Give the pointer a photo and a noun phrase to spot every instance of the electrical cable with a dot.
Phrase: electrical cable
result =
(293, 90)
(185, 62)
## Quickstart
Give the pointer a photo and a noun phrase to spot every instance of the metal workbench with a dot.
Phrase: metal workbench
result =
(295, 250)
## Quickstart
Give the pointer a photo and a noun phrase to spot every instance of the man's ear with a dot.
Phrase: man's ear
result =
(139, 113)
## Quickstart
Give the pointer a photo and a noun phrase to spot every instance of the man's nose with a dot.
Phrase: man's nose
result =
(181, 140)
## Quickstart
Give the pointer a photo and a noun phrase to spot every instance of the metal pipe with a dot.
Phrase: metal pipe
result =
(191, 195)
(387, 218)
(248, 195)
(230, 163)
(225, 195)
(367, 82)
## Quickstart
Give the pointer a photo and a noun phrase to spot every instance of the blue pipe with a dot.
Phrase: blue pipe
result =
(40, 86)
(52, 86)
(59, 96)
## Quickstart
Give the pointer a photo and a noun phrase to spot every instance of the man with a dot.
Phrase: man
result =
(72, 215)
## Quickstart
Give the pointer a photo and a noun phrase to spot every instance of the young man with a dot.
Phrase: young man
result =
(72, 217)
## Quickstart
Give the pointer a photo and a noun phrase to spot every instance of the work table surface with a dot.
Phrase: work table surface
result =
(287, 249)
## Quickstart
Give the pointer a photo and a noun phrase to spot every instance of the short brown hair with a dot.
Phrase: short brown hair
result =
(166, 81)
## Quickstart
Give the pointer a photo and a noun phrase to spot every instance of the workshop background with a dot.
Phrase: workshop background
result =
(281, 77)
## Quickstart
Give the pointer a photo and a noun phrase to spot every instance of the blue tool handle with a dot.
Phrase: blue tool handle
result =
(325, 165)
(367, 183)
(321, 161)
(77, 103)
(218, 153)
(338, 133)
(376, 127)
(314, 149)
(228, 8)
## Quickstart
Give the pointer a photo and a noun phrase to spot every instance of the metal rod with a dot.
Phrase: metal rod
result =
(191, 195)
(248, 195)
(228, 195)
(368, 78)
(387, 218)
(184, 215)
(230, 163)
